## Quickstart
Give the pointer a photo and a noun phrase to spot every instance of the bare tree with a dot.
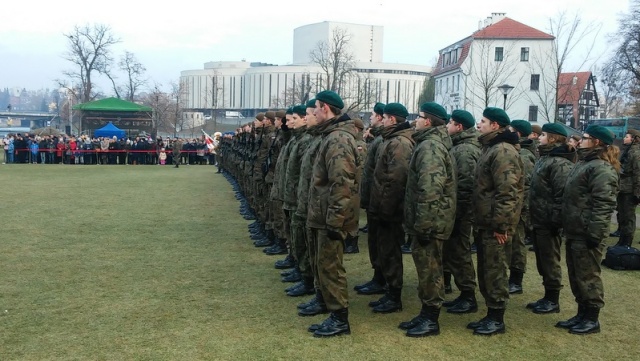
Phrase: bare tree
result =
(334, 58)
(134, 72)
(296, 93)
(89, 49)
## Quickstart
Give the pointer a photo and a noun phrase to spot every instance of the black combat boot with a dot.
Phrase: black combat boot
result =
(351, 245)
(406, 247)
(616, 233)
(293, 276)
(314, 308)
(337, 324)
(624, 241)
(548, 304)
(515, 282)
(393, 302)
(573, 320)
(312, 301)
(589, 323)
(428, 324)
(493, 323)
(286, 263)
(466, 303)
(373, 287)
(365, 229)
(279, 248)
(306, 288)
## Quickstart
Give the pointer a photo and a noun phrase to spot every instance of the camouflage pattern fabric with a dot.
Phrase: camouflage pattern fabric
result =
(492, 269)
(369, 167)
(583, 267)
(428, 260)
(629, 189)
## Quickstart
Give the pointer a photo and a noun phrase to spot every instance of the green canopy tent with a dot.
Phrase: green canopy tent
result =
(131, 117)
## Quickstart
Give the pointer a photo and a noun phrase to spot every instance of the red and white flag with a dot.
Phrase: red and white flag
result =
(208, 140)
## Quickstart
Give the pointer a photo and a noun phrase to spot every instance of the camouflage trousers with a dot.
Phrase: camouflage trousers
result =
(517, 253)
(286, 225)
(492, 269)
(372, 241)
(390, 237)
(277, 216)
(626, 215)
(457, 256)
(547, 243)
(332, 276)
(312, 249)
(428, 260)
(268, 219)
(583, 266)
(299, 245)
(260, 197)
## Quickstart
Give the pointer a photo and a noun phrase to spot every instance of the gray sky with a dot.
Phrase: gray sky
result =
(170, 37)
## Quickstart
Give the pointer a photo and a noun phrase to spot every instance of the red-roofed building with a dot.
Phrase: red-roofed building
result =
(501, 52)
(577, 98)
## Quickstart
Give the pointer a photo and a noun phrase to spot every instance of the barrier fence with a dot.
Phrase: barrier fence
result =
(97, 156)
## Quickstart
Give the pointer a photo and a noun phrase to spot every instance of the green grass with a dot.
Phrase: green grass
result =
(154, 263)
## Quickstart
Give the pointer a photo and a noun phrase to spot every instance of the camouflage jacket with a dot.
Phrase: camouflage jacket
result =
(333, 194)
(369, 167)
(430, 197)
(499, 189)
(386, 201)
(528, 156)
(281, 162)
(466, 151)
(630, 170)
(292, 171)
(589, 197)
(306, 170)
(275, 145)
(262, 150)
(547, 184)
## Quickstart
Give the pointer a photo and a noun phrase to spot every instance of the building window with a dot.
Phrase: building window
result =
(524, 54)
(535, 81)
(458, 88)
(499, 53)
(447, 88)
(533, 113)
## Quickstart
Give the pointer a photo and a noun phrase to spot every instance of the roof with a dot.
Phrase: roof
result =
(568, 92)
(113, 105)
(465, 52)
(508, 28)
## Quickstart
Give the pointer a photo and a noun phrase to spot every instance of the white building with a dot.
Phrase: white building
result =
(502, 52)
(251, 87)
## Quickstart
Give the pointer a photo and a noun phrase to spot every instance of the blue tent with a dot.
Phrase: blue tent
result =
(109, 131)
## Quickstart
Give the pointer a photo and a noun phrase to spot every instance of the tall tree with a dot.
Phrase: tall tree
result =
(89, 49)
(334, 58)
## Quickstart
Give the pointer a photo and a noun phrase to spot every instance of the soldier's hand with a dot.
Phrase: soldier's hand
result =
(501, 237)
(592, 243)
(336, 235)
(423, 240)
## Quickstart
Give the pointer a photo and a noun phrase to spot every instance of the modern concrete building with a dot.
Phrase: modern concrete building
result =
(251, 87)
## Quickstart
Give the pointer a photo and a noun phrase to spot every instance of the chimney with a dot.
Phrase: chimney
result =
(495, 17)
(575, 80)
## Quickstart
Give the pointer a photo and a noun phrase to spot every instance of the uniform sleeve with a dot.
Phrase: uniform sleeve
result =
(635, 163)
(394, 178)
(431, 169)
(508, 181)
(341, 173)
(466, 173)
(558, 178)
(603, 189)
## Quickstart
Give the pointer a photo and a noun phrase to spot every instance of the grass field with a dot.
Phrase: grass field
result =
(154, 263)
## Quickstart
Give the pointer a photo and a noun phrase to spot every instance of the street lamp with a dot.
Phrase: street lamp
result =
(505, 89)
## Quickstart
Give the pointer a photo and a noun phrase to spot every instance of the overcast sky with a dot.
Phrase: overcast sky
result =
(169, 37)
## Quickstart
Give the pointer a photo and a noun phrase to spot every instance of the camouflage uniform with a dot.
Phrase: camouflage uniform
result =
(629, 192)
(497, 202)
(292, 177)
(332, 208)
(588, 202)
(457, 250)
(306, 171)
(545, 197)
(430, 208)
(386, 203)
(259, 186)
(177, 147)
(269, 165)
(365, 193)
(279, 226)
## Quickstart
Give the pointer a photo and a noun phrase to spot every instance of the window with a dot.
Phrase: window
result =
(524, 54)
(447, 88)
(499, 53)
(535, 81)
(458, 88)
(533, 113)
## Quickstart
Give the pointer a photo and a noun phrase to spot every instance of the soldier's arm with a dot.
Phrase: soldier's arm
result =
(341, 174)
(603, 183)
(558, 178)
(635, 168)
(507, 171)
(431, 169)
(466, 175)
(396, 161)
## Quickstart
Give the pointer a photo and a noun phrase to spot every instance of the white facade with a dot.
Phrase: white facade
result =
(365, 40)
(470, 71)
(245, 86)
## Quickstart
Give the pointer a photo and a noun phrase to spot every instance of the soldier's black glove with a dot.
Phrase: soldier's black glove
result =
(592, 243)
(335, 235)
(423, 240)
(636, 200)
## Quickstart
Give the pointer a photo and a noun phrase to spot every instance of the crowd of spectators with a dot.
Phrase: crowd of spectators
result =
(63, 149)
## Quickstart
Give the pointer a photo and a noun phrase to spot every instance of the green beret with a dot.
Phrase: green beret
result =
(600, 133)
(396, 109)
(260, 116)
(270, 114)
(633, 132)
(554, 128)
(331, 98)
(280, 113)
(311, 103)
(497, 115)
(301, 110)
(289, 110)
(434, 109)
(522, 126)
(463, 117)
(378, 108)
